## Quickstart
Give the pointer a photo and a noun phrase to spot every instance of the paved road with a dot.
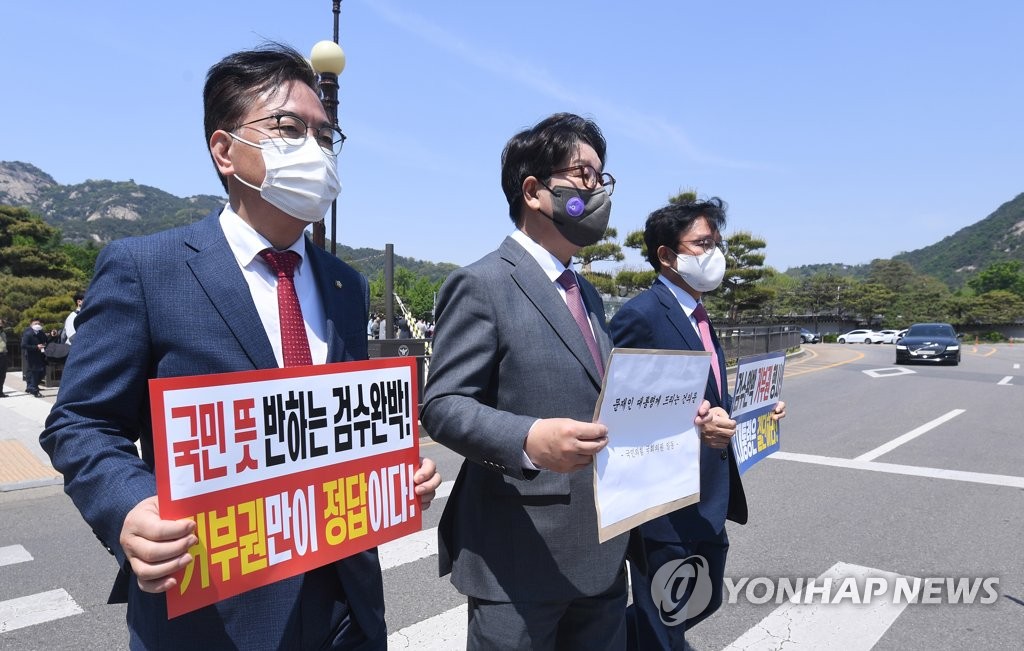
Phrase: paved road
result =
(885, 471)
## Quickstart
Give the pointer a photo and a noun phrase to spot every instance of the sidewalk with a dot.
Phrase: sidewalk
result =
(23, 464)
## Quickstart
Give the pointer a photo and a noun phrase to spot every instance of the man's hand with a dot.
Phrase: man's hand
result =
(426, 479)
(715, 426)
(563, 444)
(156, 548)
(779, 412)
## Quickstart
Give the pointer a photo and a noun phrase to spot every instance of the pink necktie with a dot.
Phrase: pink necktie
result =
(701, 315)
(579, 312)
(294, 344)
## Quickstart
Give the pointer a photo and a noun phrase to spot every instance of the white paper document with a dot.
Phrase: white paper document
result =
(651, 465)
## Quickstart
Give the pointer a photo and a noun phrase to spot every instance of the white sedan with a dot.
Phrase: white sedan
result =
(889, 336)
(861, 337)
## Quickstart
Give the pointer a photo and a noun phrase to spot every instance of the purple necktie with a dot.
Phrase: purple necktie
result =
(575, 302)
(294, 343)
(701, 315)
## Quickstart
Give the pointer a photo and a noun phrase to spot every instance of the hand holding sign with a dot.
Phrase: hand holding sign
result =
(156, 548)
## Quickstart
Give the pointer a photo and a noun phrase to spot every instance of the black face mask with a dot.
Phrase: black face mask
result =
(580, 215)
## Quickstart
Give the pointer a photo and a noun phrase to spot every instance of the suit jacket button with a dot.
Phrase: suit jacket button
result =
(725, 455)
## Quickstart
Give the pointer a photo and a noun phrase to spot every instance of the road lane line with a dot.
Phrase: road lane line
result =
(444, 632)
(408, 549)
(36, 609)
(909, 436)
(1005, 381)
(857, 356)
(415, 546)
(14, 554)
(844, 625)
(898, 469)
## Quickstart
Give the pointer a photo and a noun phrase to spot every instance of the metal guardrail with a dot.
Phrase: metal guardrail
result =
(742, 340)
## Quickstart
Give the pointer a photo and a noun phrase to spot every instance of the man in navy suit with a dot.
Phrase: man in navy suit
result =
(684, 245)
(203, 299)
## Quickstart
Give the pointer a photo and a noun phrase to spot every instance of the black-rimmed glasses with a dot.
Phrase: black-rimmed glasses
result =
(591, 178)
(708, 244)
(293, 130)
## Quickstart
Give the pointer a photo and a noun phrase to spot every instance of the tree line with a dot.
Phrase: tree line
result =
(39, 274)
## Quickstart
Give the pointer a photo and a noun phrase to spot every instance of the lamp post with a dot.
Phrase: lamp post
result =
(328, 60)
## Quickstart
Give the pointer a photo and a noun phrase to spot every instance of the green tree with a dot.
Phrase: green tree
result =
(30, 247)
(996, 306)
(871, 301)
(602, 282)
(634, 280)
(605, 249)
(740, 291)
(999, 276)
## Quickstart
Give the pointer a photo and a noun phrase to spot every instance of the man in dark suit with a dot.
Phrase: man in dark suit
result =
(513, 382)
(684, 244)
(204, 299)
(33, 343)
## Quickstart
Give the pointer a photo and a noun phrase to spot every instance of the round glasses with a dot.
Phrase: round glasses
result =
(590, 177)
(707, 244)
(293, 131)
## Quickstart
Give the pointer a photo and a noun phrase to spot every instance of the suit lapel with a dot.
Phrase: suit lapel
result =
(674, 313)
(539, 289)
(216, 270)
(328, 286)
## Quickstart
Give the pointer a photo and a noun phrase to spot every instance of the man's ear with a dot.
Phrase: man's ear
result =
(665, 255)
(530, 188)
(220, 144)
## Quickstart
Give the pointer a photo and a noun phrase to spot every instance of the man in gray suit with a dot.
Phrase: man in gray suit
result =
(519, 352)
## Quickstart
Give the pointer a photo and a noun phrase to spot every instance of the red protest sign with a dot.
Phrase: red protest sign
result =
(284, 470)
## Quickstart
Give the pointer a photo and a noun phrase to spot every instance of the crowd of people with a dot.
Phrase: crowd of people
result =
(519, 354)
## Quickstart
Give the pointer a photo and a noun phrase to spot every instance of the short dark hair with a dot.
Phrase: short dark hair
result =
(79, 296)
(666, 224)
(235, 82)
(540, 149)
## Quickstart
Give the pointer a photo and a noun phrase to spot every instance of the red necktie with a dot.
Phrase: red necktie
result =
(294, 343)
(579, 312)
(701, 315)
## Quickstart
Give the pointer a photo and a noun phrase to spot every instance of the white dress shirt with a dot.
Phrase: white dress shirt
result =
(687, 302)
(246, 245)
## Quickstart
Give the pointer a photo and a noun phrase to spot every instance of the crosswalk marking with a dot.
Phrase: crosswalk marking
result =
(909, 436)
(14, 554)
(444, 632)
(408, 549)
(847, 626)
(36, 609)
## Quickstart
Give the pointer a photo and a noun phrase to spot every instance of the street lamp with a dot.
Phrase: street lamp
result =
(328, 60)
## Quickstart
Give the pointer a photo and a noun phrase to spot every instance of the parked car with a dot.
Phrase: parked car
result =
(860, 337)
(929, 342)
(889, 336)
(808, 337)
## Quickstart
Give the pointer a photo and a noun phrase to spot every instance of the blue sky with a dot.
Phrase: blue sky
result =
(837, 131)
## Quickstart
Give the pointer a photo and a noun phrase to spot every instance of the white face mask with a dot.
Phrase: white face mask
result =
(37, 327)
(701, 272)
(302, 180)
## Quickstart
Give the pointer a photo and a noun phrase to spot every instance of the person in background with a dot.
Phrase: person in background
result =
(684, 245)
(69, 322)
(3, 357)
(33, 345)
(243, 289)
